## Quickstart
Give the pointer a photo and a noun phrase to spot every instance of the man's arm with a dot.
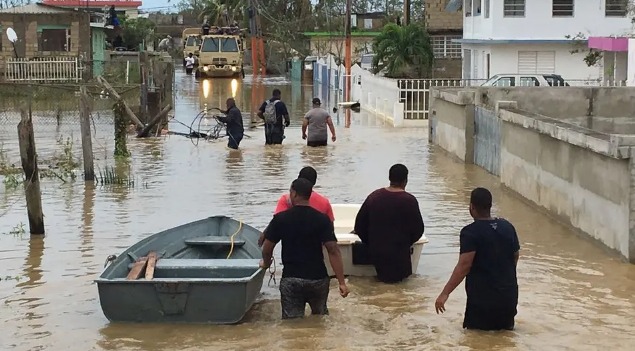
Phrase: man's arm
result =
(285, 113)
(516, 257)
(305, 125)
(362, 222)
(417, 227)
(335, 256)
(261, 110)
(281, 206)
(329, 122)
(462, 268)
(267, 253)
(329, 211)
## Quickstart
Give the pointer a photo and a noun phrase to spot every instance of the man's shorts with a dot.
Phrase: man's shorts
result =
(295, 293)
(317, 143)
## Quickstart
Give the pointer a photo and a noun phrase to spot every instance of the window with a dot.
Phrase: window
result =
(54, 40)
(193, 41)
(616, 8)
(368, 23)
(486, 9)
(562, 8)
(210, 45)
(536, 62)
(504, 82)
(529, 82)
(467, 5)
(443, 47)
(229, 45)
(514, 8)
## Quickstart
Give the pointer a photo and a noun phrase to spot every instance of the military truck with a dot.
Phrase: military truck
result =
(191, 43)
(221, 53)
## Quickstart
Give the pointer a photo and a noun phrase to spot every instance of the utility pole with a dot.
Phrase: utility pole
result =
(347, 63)
(406, 13)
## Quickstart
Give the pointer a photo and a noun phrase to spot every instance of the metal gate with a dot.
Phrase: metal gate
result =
(487, 140)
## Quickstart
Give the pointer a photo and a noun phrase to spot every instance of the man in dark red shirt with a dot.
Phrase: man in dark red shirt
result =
(389, 222)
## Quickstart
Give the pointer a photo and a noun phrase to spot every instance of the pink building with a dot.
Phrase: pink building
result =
(618, 58)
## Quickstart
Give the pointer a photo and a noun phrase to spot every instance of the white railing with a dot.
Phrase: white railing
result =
(415, 93)
(43, 69)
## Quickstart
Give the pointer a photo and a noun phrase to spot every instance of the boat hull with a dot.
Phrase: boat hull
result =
(196, 301)
(207, 272)
(344, 223)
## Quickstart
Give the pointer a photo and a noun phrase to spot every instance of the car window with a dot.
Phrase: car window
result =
(529, 82)
(505, 82)
(555, 81)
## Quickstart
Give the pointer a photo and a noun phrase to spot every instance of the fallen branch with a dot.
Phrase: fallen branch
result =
(156, 119)
(114, 93)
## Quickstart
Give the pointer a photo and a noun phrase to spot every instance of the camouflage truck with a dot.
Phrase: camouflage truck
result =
(221, 53)
(191, 43)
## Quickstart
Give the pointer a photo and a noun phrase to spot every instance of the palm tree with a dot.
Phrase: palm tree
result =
(222, 12)
(404, 52)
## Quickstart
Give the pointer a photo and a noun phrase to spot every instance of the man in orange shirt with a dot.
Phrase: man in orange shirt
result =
(317, 200)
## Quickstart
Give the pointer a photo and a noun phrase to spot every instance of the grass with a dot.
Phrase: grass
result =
(110, 176)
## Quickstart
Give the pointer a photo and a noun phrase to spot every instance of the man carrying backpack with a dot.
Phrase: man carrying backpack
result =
(273, 111)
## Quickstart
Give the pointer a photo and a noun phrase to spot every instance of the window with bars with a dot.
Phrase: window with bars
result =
(562, 8)
(443, 47)
(514, 8)
(616, 8)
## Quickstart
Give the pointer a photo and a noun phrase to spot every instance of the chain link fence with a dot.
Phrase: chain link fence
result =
(56, 120)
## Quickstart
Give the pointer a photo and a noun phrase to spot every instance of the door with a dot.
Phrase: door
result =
(99, 54)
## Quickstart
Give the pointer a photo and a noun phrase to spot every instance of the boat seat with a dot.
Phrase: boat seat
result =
(206, 263)
(213, 241)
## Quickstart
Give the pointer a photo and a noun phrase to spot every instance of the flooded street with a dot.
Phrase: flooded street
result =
(574, 295)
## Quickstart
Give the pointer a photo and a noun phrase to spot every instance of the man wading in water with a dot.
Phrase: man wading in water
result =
(389, 222)
(234, 121)
(303, 230)
(273, 111)
(489, 255)
(316, 121)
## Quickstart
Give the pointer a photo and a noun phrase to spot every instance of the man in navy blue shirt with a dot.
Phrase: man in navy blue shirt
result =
(234, 121)
(274, 113)
(488, 259)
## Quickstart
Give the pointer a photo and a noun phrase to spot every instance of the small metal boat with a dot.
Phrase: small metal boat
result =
(205, 271)
(344, 224)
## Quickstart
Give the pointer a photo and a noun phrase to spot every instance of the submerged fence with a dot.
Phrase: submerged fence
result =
(44, 69)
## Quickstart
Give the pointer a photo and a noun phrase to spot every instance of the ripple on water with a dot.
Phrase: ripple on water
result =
(573, 295)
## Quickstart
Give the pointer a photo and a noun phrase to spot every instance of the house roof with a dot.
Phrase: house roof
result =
(36, 9)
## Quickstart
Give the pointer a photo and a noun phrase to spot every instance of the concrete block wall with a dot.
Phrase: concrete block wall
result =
(583, 177)
(438, 19)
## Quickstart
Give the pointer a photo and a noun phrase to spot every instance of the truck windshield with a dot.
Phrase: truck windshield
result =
(229, 45)
(193, 41)
(210, 45)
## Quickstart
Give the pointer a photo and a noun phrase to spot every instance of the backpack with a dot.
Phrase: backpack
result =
(270, 112)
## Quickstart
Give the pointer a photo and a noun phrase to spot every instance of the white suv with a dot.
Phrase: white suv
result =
(526, 80)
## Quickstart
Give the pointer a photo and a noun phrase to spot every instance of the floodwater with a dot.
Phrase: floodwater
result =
(574, 295)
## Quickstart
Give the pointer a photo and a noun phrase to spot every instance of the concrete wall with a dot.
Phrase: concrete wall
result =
(589, 18)
(583, 177)
(504, 60)
(25, 26)
(438, 19)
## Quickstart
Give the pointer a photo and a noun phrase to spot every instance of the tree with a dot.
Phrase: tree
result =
(405, 52)
(137, 31)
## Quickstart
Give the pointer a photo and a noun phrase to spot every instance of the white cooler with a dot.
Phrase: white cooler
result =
(344, 223)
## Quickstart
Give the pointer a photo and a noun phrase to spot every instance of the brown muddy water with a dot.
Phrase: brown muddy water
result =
(574, 295)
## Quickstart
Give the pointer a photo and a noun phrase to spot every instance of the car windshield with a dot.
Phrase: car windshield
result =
(555, 81)
(229, 45)
(193, 41)
(210, 45)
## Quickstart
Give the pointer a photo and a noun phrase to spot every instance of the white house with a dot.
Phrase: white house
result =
(530, 36)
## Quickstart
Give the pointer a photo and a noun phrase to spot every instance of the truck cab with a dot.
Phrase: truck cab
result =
(221, 54)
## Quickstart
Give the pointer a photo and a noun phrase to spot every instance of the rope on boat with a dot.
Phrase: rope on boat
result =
(231, 238)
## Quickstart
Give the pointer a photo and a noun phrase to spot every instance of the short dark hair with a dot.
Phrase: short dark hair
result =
(276, 92)
(302, 187)
(481, 200)
(309, 173)
(398, 174)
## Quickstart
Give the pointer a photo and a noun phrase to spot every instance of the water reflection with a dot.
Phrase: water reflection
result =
(573, 294)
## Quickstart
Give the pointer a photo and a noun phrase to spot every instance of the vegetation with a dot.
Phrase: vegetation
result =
(137, 31)
(403, 51)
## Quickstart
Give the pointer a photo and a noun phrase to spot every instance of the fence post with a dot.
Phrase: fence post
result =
(87, 142)
(29, 165)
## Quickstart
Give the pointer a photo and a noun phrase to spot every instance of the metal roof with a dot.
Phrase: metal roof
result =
(36, 9)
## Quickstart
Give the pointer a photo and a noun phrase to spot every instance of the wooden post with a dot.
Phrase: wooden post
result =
(156, 119)
(119, 99)
(87, 141)
(31, 173)
(406, 13)
(154, 105)
(143, 70)
(121, 130)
